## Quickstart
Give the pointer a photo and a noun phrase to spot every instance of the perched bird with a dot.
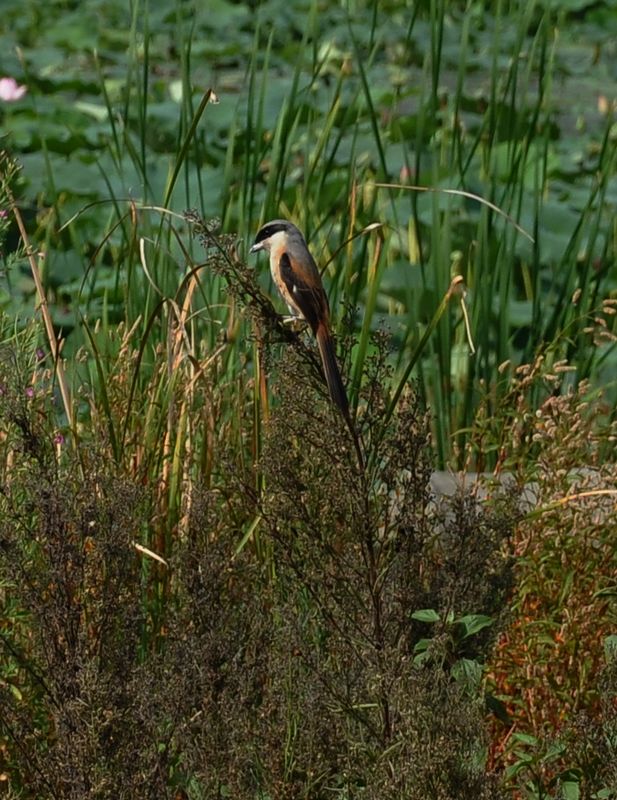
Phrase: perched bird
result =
(298, 280)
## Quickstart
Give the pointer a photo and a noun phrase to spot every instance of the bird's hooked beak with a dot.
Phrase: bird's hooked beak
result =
(257, 247)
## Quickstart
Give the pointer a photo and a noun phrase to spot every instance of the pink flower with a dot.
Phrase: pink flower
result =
(407, 175)
(10, 90)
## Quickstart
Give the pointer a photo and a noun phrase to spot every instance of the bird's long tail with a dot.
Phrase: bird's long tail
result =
(331, 370)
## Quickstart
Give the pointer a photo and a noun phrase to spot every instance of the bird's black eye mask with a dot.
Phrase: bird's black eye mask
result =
(269, 230)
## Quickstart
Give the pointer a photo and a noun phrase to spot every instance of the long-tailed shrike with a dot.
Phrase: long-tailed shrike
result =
(297, 278)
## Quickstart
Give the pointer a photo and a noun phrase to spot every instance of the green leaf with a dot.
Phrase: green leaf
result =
(525, 738)
(610, 647)
(514, 769)
(607, 591)
(498, 708)
(472, 623)
(426, 615)
(570, 790)
(421, 651)
(554, 751)
(16, 692)
(421, 658)
(467, 671)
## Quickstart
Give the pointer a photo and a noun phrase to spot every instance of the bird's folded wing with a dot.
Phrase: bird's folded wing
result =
(306, 291)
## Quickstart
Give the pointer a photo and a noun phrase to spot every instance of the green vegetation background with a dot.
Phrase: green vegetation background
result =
(413, 143)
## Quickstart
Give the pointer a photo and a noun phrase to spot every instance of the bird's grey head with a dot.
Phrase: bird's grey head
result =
(273, 230)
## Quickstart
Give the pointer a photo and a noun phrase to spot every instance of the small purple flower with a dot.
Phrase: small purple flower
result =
(30, 391)
(58, 439)
(40, 354)
(10, 90)
(3, 213)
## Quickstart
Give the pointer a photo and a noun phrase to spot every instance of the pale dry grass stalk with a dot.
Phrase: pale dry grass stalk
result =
(55, 345)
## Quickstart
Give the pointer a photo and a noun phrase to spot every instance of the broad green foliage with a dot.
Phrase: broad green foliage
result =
(318, 103)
